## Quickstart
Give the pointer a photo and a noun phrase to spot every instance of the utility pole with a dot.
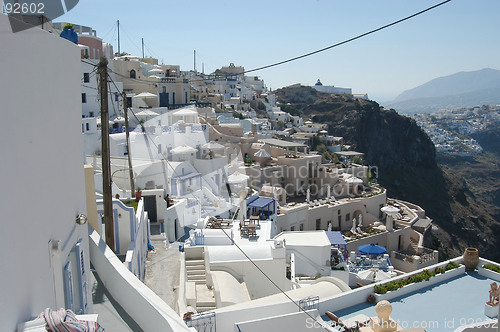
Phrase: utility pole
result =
(118, 37)
(130, 170)
(105, 159)
(142, 47)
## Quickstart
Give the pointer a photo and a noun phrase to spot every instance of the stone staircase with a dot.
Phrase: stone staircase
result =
(413, 245)
(195, 271)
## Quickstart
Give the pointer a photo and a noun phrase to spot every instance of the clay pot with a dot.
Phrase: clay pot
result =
(471, 258)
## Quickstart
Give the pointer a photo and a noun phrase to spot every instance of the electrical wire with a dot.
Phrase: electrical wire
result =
(347, 40)
(274, 65)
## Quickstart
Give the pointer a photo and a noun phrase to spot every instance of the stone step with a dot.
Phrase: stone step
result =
(195, 262)
(195, 267)
(197, 271)
(193, 277)
(205, 304)
(205, 307)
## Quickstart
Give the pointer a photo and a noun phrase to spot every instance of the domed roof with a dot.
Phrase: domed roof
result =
(318, 82)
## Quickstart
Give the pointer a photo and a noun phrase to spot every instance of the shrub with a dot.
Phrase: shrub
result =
(392, 286)
(492, 267)
(451, 266)
(380, 289)
(419, 277)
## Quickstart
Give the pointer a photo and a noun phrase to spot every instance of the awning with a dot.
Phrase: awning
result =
(336, 238)
(261, 202)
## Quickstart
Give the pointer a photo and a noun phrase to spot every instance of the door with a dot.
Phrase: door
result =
(150, 207)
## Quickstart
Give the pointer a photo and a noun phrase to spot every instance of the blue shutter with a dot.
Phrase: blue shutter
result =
(68, 286)
(82, 276)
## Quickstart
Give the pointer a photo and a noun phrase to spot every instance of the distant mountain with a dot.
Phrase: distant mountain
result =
(461, 89)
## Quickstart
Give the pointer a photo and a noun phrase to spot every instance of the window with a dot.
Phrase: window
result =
(318, 224)
(186, 97)
(132, 73)
(84, 98)
(87, 126)
(348, 217)
(91, 114)
(86, 77)
(301, 227)
(292, 228)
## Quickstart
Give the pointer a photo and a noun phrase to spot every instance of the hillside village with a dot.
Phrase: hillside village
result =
(441, 126)
(224, 218)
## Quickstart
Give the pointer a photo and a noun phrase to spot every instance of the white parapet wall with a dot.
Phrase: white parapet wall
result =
(148, 310)
(137, 252)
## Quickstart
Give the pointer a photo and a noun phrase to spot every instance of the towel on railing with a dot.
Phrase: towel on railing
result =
(65, 321)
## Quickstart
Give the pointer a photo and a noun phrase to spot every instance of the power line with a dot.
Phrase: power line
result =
(269, 278)
(346, 41)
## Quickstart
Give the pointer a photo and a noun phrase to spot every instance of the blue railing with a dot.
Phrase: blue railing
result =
(203, 322)
(199, 239)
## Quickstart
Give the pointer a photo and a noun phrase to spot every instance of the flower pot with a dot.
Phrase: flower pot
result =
(471, 258)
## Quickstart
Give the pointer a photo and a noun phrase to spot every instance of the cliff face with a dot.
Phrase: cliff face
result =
(406, 161)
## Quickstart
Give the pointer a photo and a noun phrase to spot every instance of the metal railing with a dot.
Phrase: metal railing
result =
(309, 303)
(203, 322)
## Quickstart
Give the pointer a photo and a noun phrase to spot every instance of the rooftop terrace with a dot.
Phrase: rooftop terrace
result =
(441, 307)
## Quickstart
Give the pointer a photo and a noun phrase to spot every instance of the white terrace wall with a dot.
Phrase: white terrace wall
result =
(125, 224)
(149, 311)
(137, 251)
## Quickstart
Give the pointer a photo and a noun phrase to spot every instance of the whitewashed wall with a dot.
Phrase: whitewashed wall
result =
(42, 149)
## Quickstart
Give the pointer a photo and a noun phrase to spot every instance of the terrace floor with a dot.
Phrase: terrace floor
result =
(442, 307)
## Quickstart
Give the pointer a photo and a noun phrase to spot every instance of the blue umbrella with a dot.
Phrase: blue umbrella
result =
(372, 249)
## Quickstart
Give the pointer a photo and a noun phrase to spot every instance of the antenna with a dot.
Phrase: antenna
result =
(118, 22)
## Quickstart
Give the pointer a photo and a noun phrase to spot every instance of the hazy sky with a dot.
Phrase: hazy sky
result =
(462, 35)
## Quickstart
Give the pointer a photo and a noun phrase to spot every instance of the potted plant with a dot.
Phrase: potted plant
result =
(138, 193)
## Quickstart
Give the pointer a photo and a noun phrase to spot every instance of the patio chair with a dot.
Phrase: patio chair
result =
(352, 325)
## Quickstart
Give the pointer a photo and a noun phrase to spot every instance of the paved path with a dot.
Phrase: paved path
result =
(162, 271)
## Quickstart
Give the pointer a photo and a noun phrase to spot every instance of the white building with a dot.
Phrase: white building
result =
(44, 252)
(331, 89)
